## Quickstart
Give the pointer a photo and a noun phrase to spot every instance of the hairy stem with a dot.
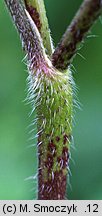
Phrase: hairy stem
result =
(31, 40)
(54, 134)
(50, 93)
(89, 11)
(36, 9)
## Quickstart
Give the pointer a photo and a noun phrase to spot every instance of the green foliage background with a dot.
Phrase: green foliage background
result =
(17, 160)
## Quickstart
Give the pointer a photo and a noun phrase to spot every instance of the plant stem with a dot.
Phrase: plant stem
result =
(36, 9)
(54, 134)
(50, 90)
(50, 93)
(89, 11)
(31, 40)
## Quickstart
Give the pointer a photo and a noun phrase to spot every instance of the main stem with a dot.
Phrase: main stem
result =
(54, 134)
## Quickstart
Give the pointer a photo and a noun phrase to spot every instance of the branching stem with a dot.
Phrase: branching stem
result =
(54, 89)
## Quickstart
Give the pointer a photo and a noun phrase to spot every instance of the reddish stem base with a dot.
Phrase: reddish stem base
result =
(54, 188)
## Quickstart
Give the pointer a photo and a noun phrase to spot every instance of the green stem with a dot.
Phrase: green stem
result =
(89, 11)
(36, 9)
(54, 132)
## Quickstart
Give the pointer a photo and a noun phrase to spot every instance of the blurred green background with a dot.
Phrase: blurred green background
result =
(17, 160)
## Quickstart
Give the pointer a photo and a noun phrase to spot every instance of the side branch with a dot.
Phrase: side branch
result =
(89, 11)
(30, 37)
